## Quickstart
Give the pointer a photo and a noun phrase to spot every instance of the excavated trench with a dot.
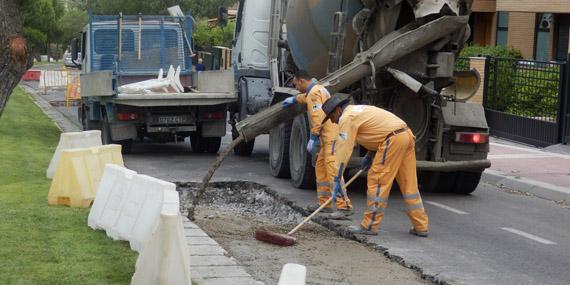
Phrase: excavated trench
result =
(230, 212)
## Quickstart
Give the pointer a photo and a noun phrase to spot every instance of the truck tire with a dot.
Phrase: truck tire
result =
(87, 124)
(197, 142)
(126, 145)
(279, 150)
(460, 182)
(212, 144)
(466, 182)
(300, 164)
(244, 148)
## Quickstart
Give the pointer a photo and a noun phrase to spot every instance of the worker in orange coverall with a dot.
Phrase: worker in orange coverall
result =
(391, 154)
(320, 142)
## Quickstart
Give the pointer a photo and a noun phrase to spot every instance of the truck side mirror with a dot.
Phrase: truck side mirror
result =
(74, 49)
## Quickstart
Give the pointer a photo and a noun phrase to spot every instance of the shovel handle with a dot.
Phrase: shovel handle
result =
(324, 204)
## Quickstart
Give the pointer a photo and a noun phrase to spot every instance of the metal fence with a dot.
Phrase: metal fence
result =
(523, 99)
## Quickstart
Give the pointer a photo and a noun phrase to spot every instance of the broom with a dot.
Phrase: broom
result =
(288, 240)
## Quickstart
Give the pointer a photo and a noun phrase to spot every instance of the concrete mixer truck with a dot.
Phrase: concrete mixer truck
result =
(395, 54)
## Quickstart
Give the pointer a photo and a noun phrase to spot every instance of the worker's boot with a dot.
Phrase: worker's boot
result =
(314, 207)
(359, 230)
(341, 214)
(419, 233)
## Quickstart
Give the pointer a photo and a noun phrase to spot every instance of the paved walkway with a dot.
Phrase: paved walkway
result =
(210, 263)
(533, 166)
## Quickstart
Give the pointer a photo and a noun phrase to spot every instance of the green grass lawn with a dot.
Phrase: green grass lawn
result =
(41, 244)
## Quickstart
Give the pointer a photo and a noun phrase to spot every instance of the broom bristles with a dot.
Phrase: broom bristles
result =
(274, 238)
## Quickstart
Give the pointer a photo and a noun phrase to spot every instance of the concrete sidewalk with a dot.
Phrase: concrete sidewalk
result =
(544, 173)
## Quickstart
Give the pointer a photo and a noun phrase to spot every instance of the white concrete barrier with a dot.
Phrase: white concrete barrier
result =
(113, 189)
(165, 258)
(129, 205)
(140, 212)
(146, 212)
(73, 140)
(293, 274)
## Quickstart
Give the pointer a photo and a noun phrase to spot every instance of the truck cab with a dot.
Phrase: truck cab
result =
(119, 50)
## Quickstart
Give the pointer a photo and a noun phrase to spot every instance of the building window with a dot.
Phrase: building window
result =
(542, 37)
(502, 28)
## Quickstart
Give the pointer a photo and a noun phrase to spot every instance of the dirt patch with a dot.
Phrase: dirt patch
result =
(231, 212)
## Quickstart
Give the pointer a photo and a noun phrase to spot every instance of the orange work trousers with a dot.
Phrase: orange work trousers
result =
(396, 158)
(325, 170)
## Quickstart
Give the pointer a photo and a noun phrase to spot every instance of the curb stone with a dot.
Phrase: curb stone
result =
(63, 123)
(539, 189)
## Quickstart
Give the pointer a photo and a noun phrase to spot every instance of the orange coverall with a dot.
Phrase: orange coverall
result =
(325, 166)
(384, 133)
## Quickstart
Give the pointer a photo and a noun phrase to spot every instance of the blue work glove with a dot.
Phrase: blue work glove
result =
(289, 101)
(367, 161)
(313, 144)
(337, 190)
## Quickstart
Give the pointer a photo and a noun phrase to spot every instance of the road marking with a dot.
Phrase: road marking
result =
(529, 236)
(451, 209)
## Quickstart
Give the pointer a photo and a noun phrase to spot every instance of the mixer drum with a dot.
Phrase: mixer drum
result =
(309, 27)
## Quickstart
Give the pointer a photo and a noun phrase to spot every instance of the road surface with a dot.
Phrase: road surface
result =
(493, 236)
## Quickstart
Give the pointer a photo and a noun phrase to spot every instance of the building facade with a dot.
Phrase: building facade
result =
(538, 28)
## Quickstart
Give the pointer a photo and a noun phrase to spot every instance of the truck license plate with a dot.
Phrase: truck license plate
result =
(168, 120)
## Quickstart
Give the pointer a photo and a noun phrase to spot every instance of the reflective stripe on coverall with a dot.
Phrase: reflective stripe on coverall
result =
(373, 128)
(325, 167)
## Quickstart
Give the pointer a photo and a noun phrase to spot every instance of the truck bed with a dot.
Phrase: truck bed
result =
(175, 99)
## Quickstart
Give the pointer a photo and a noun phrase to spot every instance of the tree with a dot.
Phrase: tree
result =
(40, 22)
(199, 8)
(205, 8)
(14, 56)
(206, 36)
(71, 24)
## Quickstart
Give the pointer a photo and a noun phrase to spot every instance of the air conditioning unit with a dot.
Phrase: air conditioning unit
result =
(546, 21)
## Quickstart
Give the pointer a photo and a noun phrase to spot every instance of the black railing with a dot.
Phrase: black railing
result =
(523, 99)
(525, 88)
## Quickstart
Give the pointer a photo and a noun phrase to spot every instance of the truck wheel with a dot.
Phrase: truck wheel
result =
(197, 142)
(279, 150)
(466, 182)
(244, 148)
(87, 124)
(106, 131)
(428, 181)
(212, 144)
(300, 165)
(126, 145)
(460, 182)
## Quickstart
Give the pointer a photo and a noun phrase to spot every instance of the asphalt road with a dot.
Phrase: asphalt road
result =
(490, 237)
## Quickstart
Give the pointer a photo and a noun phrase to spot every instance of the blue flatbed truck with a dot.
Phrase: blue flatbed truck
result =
(118, 50)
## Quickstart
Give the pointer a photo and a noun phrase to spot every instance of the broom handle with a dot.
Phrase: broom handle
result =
(324, 204)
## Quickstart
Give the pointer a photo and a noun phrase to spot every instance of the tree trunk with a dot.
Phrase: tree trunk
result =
(14, 56)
